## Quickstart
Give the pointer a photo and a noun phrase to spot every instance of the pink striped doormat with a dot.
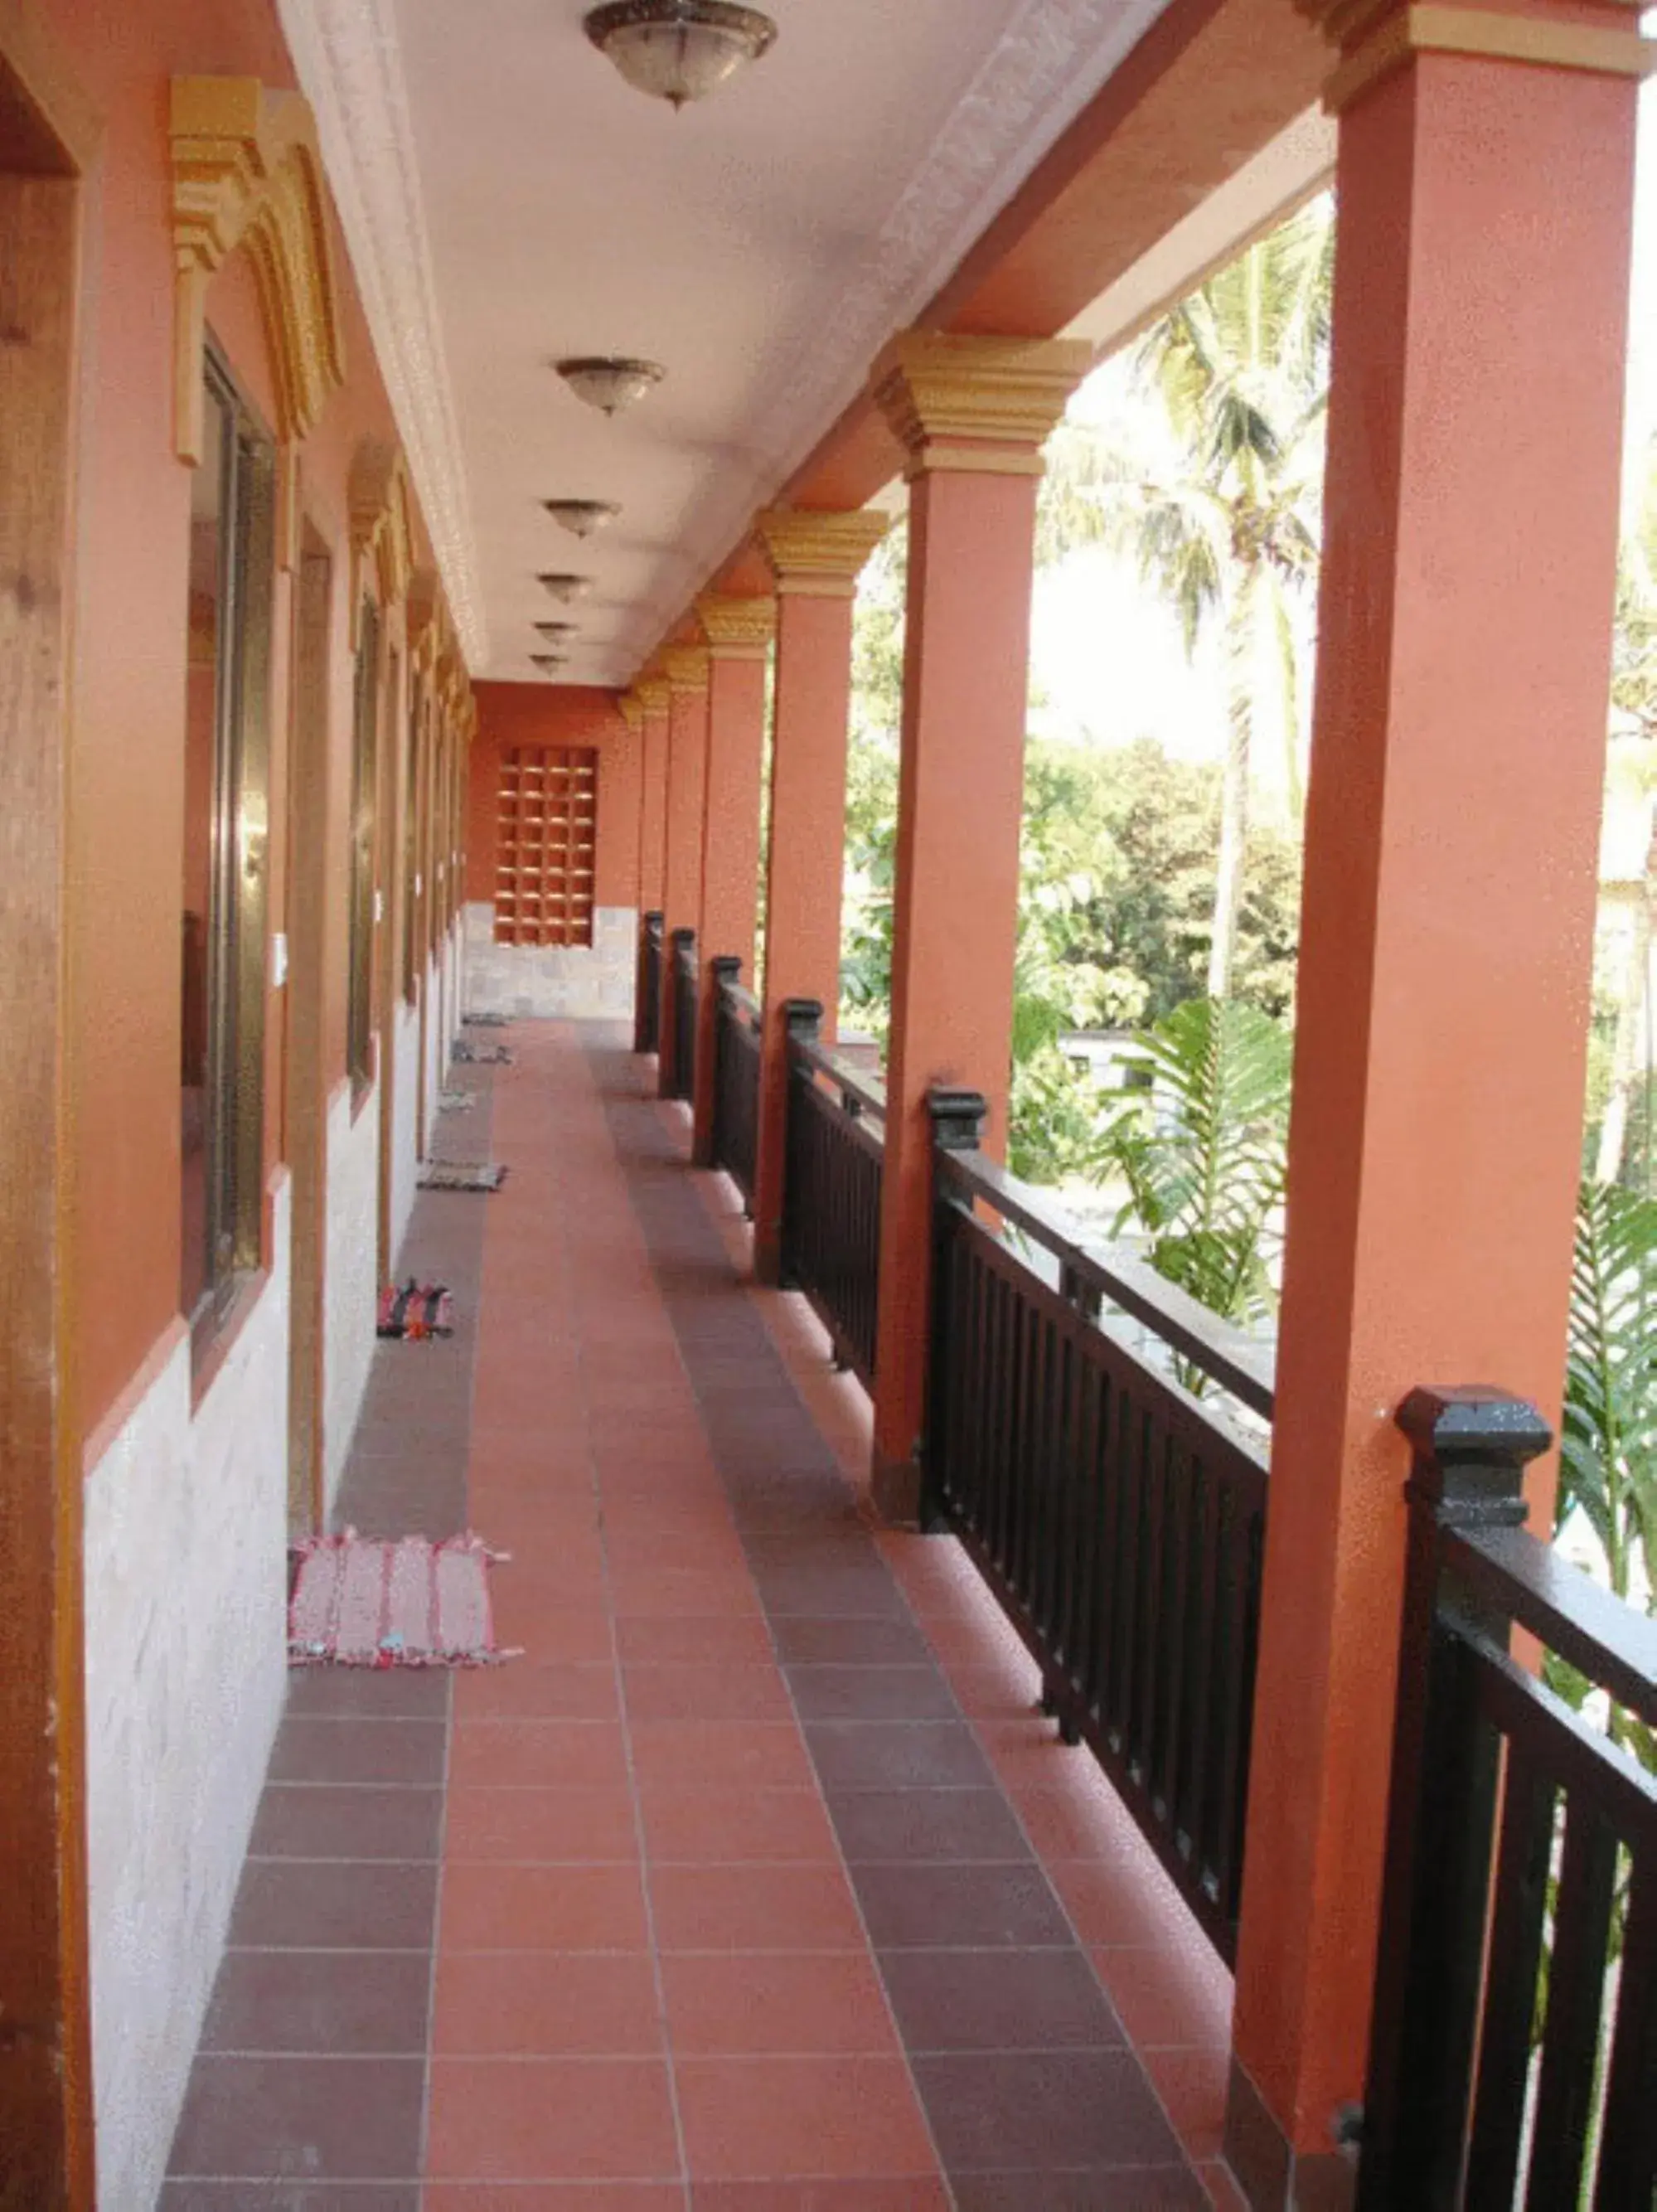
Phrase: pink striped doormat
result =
(364, 1602)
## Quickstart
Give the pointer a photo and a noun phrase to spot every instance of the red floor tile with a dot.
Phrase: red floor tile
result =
(689, 1639)
(554, 2196)
(539, 2005)
(775, 2004)
(737, 1826)
(675, 1755)
(585, 2119)
(527, 1689)
(1193, 2084)
(785, 2119)
(541, 1825)
(727, 1690)
(488, 1906)
(539, 1754)
(1167, 1999)
(755, 1907)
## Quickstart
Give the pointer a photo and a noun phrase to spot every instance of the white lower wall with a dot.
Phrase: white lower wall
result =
(567, 982)
(405, 1162)
(350, 1291)
(436, 1048)
(186, 1590)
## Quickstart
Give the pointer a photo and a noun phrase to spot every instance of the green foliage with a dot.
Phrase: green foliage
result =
(1224, 522)
(1608, 1453)
(1202, 1143)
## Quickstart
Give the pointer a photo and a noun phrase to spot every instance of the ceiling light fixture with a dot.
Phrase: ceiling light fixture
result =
(564, 586)
(610, 381)
(678, 50)
(548, 661)
(581, 517)
(555, 633)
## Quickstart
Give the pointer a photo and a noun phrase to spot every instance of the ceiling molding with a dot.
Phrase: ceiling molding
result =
(1050, 62)
(351, 67)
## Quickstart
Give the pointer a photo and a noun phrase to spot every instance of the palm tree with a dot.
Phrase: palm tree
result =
(1228, 531)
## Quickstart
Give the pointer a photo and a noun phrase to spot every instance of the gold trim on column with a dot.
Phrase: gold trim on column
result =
(687, 670)
(382, 531)
(632, 710)
(1374, 42)
(655, 694)
(246, 171)
(986, 405)
(819, 555)
(736, 629)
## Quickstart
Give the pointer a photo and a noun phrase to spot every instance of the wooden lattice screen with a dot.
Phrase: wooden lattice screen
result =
(544, 847)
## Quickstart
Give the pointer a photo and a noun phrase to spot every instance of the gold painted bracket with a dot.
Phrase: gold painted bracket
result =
(382, 527)
(819, 554)
(736, 629)
(687, 670)
(246, 171)
(981, 405)
(1375, 39)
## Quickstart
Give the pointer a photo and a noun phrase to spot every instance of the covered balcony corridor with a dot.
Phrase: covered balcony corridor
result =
(758, 1879)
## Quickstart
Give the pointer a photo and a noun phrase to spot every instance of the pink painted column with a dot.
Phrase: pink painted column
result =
(973, 414)
(816, 559)
(1475, 415)
(738, 633)
(687, 785)
(652, 694)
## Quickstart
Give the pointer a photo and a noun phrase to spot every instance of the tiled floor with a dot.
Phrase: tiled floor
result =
(756, 1884)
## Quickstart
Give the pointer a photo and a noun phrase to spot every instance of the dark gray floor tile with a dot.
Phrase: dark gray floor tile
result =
(289, 2197)
(307, 1821)
(304, 1904)
(1069, 2109)
(976, 1907)
(925, 1825)
(311, 2119)
(344, 2002)
(370, 1692)
(811, 1642)
(897, 1755)
(999, 2001)
(872, 1693)
(350, 1749)
(1139, 2189)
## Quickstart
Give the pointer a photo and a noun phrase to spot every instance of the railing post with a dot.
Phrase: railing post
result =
(706, 1134)
(647, 1010)
(676, 1078)
(957, 1119)
(802, 1021)
(1471, 1448)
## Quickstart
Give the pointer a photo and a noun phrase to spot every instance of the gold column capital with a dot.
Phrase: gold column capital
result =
(687, 670)
(736, 629)
(819, 555)
(632, 709)
(984, 404)
(653, 694)
(1376, 37)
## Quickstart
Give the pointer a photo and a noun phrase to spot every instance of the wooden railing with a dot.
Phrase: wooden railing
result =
(735, 1075)
(647, 998)
(679, 1071)
(1118, 1519)
(831, 1201)
(1514, 2047)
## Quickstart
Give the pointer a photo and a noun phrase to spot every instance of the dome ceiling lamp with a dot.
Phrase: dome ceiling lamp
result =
(557, 633)
(610, 381)
(565, 587)
(548, 662)
(678, 50)
(581, 517)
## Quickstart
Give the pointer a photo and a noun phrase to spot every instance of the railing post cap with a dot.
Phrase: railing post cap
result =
(726, 966)
(683, 936)
(957, 1117)
(1473, 1443)
(802, 1015)
(654, 914)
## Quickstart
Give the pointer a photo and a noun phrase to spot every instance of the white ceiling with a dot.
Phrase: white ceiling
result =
(508, 199)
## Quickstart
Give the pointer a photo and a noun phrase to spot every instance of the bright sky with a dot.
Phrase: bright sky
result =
(1108, 657)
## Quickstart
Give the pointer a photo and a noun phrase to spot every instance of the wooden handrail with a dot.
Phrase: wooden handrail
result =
(854, 1083)
(1601, 1635)
(1237, 1360)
